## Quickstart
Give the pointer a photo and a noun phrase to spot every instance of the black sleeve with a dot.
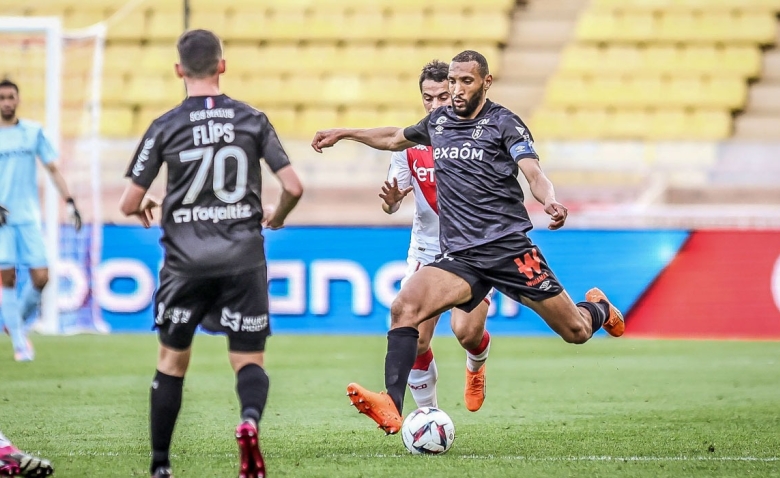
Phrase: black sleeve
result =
(148, 159)
(270, 147)
(419, 132)
(517, 138)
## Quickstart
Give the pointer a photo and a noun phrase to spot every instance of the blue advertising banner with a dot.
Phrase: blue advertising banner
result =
(342, 280)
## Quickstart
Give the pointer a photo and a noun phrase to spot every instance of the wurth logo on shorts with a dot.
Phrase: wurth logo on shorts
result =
(238, 323)
(214, 214)
(531, 265)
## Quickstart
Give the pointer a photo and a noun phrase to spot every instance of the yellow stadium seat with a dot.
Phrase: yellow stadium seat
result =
(564, 91)
(262, 91)
(325, 24)
(679, 27)
(700, 59)
(116, 121)
(76, 89)
(711, 124)
(662, 58)
(757, 27)
(359, 117)
(357, 58)
(300, 89)
(278, 58)
(586, 124)
(121, 58)
(668, 124)
(154, 90)
(209, 20)
(322, 58)
(725, 92)
(604, 91)
(312, 120)
(484, 26)
(145, 116)
(282, 119)
(339, 90)
(405, 26)
(113, 89)
(362, 24)
(551, 123)
(158, 59)
(252, 26)
(638, 27)
(628, 124)
(577, 58)
(649, 89)
(682, 91)
(165, 25)
(241, 58)
(743, 60)
(594, 25)
(74, 19)
(619, 59)
(400, 117)
(130, 27)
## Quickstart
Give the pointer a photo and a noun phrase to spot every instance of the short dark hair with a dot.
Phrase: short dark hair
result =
(6, 83)
(434, 70)
(199, 53)
(471, 55)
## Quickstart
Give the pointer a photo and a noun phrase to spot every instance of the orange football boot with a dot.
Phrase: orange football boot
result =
(474, 394)
(614, 325)
(378, 406)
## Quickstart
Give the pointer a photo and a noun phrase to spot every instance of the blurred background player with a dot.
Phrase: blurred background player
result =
(413, 169)
(14, 462)
(214, 273)
(21, 238)
(479, 148)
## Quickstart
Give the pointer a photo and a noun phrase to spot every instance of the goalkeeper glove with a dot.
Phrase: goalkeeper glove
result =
(4, 215)
(73, 213)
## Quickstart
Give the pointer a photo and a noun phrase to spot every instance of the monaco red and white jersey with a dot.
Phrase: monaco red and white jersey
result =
(414, 167)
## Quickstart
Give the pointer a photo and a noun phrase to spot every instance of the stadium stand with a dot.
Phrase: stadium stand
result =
(689, 62)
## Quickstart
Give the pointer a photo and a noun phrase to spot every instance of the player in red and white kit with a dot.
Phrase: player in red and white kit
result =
(412, 170)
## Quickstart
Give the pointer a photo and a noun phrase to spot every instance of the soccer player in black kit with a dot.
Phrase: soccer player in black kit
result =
(214, 274)
(478, 147)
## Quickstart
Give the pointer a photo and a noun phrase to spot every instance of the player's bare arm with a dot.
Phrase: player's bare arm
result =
(389, 138)
(392, 196)
(543, 191)
(62, 188)
(292, 190)
(135, 202)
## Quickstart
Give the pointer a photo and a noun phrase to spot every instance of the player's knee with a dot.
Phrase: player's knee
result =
(403, 313)
(576, 334)
(423, 344)
(40, 280)
(469, 335)
(9, 278)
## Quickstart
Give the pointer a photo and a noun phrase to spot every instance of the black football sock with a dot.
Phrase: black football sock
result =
(165, 398)
(252, 388)
(401, 354)
(599, 313)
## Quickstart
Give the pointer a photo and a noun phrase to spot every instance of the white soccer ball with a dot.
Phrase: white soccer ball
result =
(428, 431)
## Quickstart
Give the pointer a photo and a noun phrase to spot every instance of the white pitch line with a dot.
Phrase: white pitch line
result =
(480, 457)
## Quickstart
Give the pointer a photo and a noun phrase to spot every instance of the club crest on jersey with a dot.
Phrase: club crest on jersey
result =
(477, 132)
(209, 103)
(441, 120)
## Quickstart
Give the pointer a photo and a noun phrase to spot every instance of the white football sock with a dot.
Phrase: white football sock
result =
(475, 362)
(422, 384)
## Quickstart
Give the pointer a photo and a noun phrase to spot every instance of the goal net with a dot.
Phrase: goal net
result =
(59, 78)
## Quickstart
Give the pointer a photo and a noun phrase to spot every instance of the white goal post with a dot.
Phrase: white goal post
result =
(51, 32)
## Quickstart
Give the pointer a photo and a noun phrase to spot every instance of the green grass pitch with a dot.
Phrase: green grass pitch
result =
(612, 407)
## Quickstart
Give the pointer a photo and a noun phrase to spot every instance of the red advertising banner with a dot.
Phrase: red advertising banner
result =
(720, 285)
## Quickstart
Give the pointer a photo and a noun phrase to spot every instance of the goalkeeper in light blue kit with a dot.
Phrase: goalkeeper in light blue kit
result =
(21, 238)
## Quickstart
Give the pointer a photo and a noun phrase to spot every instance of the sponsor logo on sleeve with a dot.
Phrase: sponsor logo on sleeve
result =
(143, 157)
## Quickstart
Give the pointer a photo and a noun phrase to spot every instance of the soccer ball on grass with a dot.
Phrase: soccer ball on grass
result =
(428, 431)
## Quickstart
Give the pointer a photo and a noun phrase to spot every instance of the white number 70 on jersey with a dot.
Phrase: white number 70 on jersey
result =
(206, 157)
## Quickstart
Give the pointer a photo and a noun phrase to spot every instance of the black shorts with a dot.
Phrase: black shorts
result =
(513, 265)
(234, 305)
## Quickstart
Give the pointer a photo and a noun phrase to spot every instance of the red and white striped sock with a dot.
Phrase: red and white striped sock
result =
(422, 380)
(475, 358)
